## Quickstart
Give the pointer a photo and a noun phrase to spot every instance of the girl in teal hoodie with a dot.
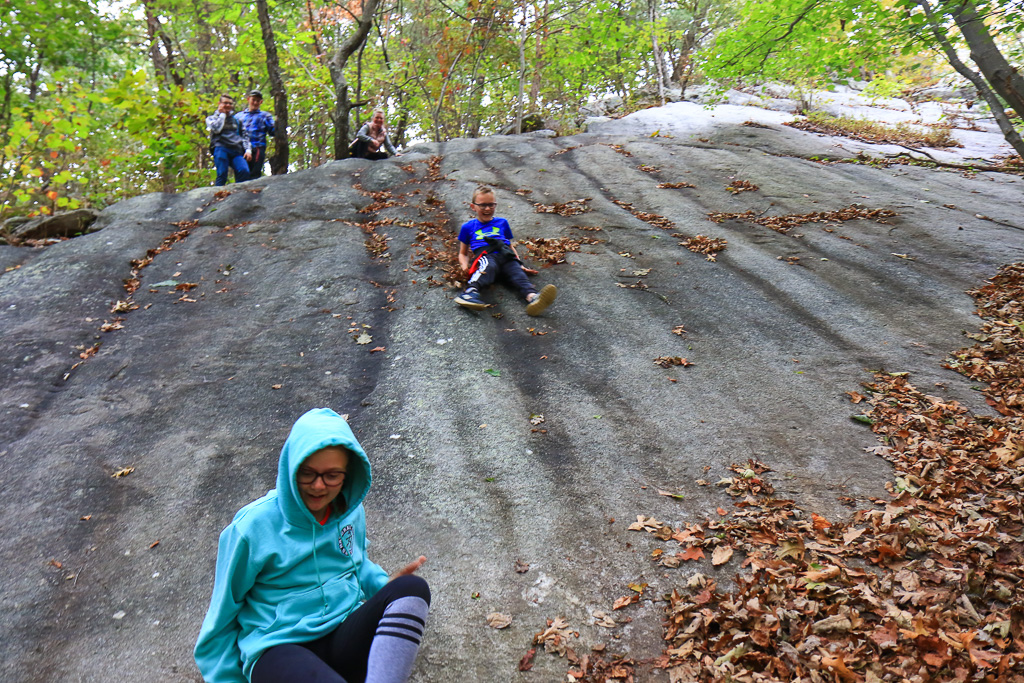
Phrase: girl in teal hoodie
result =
(295, 596)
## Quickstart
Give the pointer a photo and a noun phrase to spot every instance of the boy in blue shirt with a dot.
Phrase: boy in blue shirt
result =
(258, 124)
(486, 251)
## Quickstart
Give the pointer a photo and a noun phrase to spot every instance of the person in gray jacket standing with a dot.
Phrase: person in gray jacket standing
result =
(229, 142)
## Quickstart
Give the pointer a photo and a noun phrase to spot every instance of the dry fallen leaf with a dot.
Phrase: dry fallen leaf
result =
(364, 339)
(497, 620)
(852, 535)
(603, 619)
(721, 555)
(645, 524)
(521, 567)
(691, 553)
(625, 601)
(123, 472)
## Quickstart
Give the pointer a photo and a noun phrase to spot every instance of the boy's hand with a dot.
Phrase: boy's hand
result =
(529, 271)
(409, 568)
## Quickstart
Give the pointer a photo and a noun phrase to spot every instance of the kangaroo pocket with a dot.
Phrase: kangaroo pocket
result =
(308, 611)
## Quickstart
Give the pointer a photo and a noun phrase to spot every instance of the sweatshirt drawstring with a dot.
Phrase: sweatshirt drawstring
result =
(316, 565)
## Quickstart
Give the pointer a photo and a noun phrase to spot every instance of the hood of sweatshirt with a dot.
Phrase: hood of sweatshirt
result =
(316, 429)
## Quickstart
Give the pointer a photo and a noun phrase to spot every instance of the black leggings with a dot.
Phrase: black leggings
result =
(345, 649)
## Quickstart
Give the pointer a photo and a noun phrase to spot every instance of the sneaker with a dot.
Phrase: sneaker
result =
(470, 299)
(542, 300)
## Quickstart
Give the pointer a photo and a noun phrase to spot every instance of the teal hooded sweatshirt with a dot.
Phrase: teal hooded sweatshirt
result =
(281, 576)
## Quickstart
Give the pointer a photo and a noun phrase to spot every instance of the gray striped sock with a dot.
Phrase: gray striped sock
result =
(396, 641)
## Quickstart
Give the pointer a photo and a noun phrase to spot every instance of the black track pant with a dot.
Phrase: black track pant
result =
(259, 156)
(344, 650)
(490, 266)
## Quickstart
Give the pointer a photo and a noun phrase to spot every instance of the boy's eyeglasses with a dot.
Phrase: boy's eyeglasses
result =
(485, 205)
(330, 478)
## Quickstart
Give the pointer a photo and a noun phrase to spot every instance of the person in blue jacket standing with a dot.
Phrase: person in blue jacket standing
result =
(229, 142)
(258, 124)
(295, 597)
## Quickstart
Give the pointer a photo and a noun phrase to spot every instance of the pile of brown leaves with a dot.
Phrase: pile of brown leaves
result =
(925, 586)
(702, 244)
(437, 246)
(875, 131)
(1011, 162)
(738, 186)
(648, 169)
(998, 357)
(787, 222)
(588, 668)
(674, 186)
(669, 361)
(573, 207)
(618, 148)
(434, 169)
(381, 200)
(594, 668)
(376, 243)
(551, 251)
(652, 218)
(131, 283)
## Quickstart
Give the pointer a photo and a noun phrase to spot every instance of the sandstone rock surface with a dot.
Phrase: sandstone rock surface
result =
(250, 308)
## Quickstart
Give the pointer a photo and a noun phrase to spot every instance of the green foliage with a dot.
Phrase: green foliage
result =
(813, 39)
(95, 108)
(95, 148)
(883, 87)
(39, 159)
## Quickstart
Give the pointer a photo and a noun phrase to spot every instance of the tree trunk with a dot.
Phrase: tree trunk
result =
(153, 30)
(33, 79)
(1011, 135)
(522, 73)
(1003, 78)
(315, 27)
(652, 14)
(342, 105)
(684, 65)
(279, 161)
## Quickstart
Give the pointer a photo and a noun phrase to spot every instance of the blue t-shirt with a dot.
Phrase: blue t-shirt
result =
(473, 232)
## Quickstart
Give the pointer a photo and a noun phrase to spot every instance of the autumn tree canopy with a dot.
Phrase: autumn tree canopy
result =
(96, 107)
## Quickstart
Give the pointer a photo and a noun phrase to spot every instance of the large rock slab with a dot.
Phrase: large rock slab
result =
(107, 578)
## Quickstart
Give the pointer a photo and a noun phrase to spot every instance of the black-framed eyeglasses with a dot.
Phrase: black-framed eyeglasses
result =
(307, 477)
(485, 205)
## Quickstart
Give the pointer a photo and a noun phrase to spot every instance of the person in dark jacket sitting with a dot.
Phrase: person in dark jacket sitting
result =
(229, 142)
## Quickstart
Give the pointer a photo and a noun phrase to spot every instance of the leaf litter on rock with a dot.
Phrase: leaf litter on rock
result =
(922, 586)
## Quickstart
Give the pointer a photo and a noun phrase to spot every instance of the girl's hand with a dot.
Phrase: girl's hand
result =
(530, 271)
(410, 568)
